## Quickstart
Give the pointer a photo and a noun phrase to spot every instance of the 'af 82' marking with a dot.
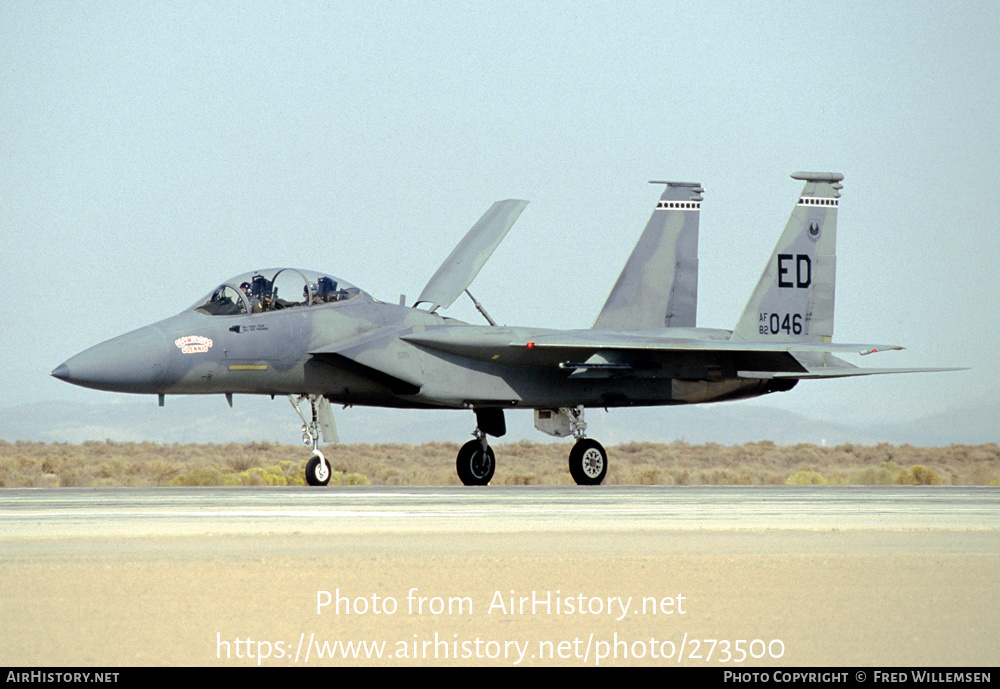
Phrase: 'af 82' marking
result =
(780, 323)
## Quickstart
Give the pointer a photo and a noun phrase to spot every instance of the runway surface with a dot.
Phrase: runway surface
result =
(537, 576)
(178, 511)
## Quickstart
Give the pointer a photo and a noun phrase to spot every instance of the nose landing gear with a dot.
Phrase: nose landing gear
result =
(318, 470)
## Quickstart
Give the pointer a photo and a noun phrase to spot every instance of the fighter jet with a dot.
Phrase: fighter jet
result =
(318, 339)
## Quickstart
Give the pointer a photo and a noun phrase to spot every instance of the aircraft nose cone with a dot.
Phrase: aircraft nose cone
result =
(133, 362)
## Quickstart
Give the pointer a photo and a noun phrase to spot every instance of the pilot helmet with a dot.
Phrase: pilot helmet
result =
(325, 287)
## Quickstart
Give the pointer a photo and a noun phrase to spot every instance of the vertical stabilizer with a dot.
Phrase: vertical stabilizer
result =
(659, 285)
(795, 296)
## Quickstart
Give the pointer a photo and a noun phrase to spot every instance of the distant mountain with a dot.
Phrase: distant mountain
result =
(202, 419)
(208, 419)
(972, 424)
(736, 423)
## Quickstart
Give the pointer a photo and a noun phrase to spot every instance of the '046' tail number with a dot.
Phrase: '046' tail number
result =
(778, 323)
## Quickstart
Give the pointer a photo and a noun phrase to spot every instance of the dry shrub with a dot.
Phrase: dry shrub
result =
(806, 478)
(925, 476)
(519, 463)
(873, 476)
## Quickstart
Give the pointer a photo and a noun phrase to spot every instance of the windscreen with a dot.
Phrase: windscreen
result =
(274, 289)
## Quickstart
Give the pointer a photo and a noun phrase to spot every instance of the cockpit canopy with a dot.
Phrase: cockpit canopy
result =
(274, 289)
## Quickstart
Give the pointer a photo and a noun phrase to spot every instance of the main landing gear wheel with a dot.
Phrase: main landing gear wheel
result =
(318, 470)
(588, 462)
(476, 464)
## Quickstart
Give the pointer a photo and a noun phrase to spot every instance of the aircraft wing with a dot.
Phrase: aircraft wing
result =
(477, 342)
(596, 351)
(638, 341)
(467, 259)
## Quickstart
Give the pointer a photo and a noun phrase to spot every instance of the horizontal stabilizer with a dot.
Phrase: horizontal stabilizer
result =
(820, 373)
(467, 259)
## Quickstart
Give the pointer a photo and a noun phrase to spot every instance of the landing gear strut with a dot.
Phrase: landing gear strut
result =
(476, 461)
(588, 462)
(318, 469)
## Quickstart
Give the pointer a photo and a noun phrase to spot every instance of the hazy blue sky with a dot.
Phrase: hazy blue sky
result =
(151, 150)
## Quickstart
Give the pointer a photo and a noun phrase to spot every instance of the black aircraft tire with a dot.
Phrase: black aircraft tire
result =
(588, 462)
(475, 467)
(314, 475)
